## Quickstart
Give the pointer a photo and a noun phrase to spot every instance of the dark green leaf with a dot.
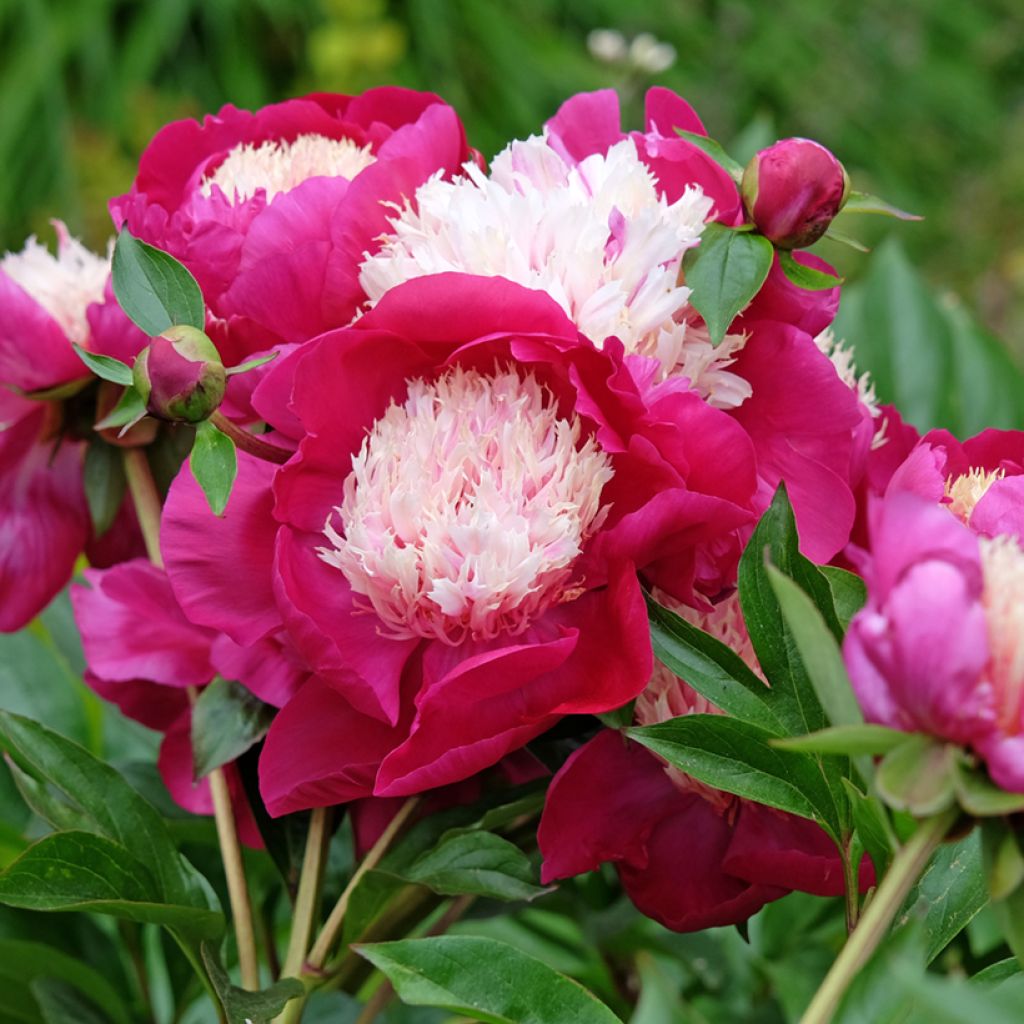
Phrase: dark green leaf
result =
(61, 1003)
(918, 776)
(479, 863)
(712, 668)
(939, 1000)
(24, 961)
(251, 364)
(862, 202)
(725, 272)
(153, 288)
(713, 150)
(227, 720)
(1004, 865)
(949, 894)
(803, 276)
(129, 410)
(997, 972)
(105, 367)
(47, 801)
(214, 465)
(738, 757)
(848, 592)
(873, 827)
(619, 718)
(484, 980)
(104, 482)
(845, 739)
(239, 1005)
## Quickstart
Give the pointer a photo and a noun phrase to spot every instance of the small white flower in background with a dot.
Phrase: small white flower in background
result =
(643, 53)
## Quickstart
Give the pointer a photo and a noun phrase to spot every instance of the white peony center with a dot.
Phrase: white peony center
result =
(965, 491)
(65, 285)
(467, 506)
(596, 236)
(277, 167)
(1002, 563)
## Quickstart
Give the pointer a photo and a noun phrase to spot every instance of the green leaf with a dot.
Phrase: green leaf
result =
(873, 827)
(240, 1005)
(85, 871)
(818, 650)
(251, 364)
(997, 972)
(939, 1000)
(110, 808)
(845, 739)
(918, 776)
(715, 151)
(105, 367)
(619, 718)
(863, 202)
(852, 243)
(949, 893)
(480, 863)
(1004, 863)
(712, 668)
(980, 796)
(849, 593)
(129, 410)
(803, 276)
(46, 801)
(214, 465)
(61, 1003)
(22, 962)
(725, 272)
(739, 758)
(484, 980)
(227, 720)
(104, 482)
(153, 288)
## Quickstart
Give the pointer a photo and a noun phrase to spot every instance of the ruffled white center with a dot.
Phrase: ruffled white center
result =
(467, 506)
(1002, 563)
(277, 167)
(595, 236)
(964, 492)
(667, 696)
(65, 285)
(861, 384)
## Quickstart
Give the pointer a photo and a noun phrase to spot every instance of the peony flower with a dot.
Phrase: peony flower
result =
(272, 210)
(938, 648)
(601, 222)
(143, 655)
(688, 855)
(793, 190)
(49, 303)
(452, 548)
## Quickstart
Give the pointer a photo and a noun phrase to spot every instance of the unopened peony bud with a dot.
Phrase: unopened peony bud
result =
(180, 375)
(792, 191)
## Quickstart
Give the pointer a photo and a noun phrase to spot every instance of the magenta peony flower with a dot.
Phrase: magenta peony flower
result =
(688, 855)
(49, 303)
(938, 647)
(793, 190)
(142, 654)
(601, 221)
(272, 211)
(452, 548)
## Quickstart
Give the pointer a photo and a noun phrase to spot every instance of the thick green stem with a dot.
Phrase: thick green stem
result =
(904, 871)
(146, 499)
(851, 878)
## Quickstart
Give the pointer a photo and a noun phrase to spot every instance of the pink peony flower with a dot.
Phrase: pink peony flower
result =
(49, 302)
(793, 190)
(452, 548)
(273, 210)
(688, 855)
(938, 647)
(142, 654)
(601, 221)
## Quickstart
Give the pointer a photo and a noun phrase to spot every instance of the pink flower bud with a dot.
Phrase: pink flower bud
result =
(792, 191)
(180, 375)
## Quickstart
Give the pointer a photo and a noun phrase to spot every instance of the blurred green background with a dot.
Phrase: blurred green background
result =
(923, 101)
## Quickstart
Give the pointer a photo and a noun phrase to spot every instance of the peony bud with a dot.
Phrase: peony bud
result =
(792, 190)
(180, 375)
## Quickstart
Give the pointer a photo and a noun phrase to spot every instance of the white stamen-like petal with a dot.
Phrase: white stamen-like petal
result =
(966, 490)
(467, 506)
(1002, 563)
(277, 167)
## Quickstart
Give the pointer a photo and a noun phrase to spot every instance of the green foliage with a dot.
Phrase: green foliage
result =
(227, 720)
(214, 464)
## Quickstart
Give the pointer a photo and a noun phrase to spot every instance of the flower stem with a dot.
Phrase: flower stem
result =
(146, 499)
(904, 871)
(250, 442)
(307, 898)
(323, 945)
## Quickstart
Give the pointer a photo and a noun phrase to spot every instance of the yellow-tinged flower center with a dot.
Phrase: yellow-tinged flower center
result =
(1002, 562)
(965, 491)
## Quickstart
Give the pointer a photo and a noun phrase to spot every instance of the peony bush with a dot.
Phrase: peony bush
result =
(475, 533)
